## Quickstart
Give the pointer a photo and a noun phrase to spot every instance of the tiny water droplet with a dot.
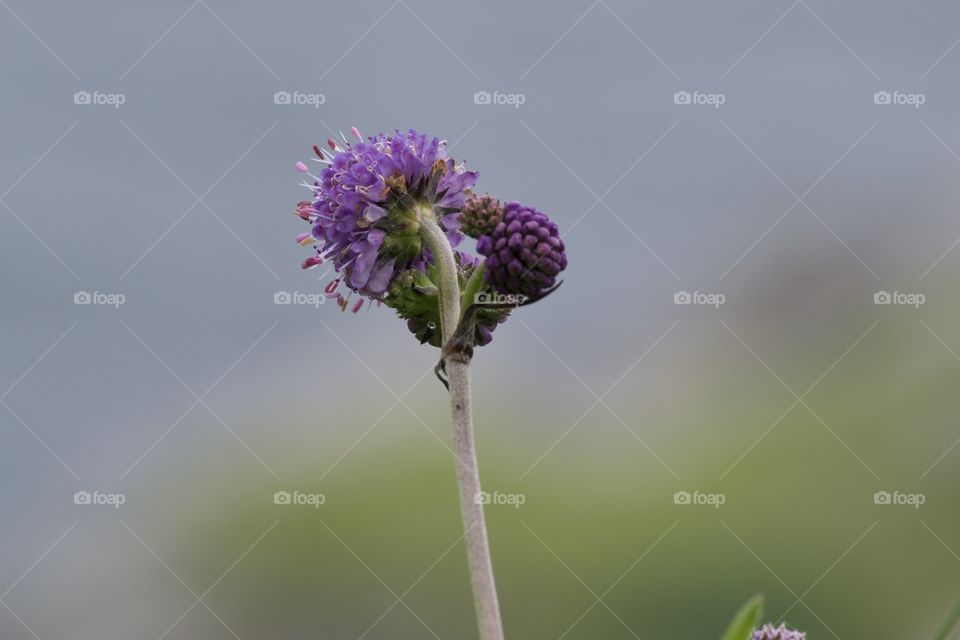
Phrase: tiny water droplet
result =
(431, 325)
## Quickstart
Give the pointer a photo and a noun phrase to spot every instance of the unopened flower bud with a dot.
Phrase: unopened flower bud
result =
(480, 214)
(524, 252)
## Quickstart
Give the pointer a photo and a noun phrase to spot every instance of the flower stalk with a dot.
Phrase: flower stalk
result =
(457, 366)
(387, 212)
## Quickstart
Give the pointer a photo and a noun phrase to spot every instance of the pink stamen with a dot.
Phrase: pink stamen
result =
(302, 168)
(317, 151)
(356, 132)
(330, 288)
(357, 305)
(306, 211)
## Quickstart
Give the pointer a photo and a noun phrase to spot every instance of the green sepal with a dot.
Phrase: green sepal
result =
(414, 296)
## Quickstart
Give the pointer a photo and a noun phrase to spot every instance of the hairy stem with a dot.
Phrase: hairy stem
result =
(449, 281)
(468, 475)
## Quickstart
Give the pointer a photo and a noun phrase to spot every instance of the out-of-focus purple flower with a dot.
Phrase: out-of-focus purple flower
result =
(524, 252)
(367, 205)
(769, 632)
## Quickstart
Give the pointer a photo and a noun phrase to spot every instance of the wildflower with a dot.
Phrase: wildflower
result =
(386, 212)
(368, 202)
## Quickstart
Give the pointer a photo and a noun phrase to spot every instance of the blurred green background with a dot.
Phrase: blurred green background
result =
(799, 522)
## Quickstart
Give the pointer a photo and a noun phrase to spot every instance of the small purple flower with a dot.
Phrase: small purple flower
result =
(367, 203)
(524, 252)
(769, 632)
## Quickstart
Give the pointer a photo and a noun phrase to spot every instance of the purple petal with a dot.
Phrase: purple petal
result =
(374, 212)
(380, 279)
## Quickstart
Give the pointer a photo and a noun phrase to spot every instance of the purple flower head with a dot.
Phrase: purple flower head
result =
(367, 205)
(524, 252)
(769, 632)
